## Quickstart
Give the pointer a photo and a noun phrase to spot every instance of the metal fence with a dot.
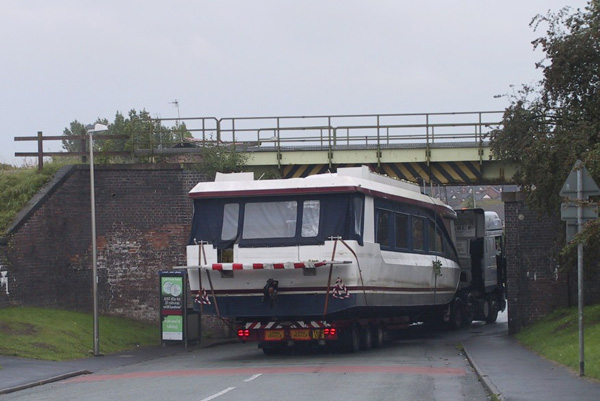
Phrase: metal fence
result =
(310, 132)
(322, 132)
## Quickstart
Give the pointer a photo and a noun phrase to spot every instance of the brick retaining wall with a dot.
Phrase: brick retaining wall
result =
(142, 216)
(535, 283)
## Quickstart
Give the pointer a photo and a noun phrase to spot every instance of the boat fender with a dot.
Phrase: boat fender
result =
(270, 291)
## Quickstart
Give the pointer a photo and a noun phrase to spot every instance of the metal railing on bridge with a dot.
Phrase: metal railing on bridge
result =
(322, 132)
(310, 132)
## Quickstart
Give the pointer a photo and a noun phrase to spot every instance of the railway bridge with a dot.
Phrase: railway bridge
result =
(429, 148)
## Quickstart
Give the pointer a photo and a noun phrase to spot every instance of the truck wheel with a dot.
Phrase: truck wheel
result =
(366, 339)
(469, 314)
(377, 334)
(457, 315)
(492, 309)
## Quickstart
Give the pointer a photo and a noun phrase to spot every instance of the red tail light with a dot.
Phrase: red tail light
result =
(243, 333)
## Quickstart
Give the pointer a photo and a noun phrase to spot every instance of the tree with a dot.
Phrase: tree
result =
(216, 158)
(548, 126)
(72, 145)
(142, 131)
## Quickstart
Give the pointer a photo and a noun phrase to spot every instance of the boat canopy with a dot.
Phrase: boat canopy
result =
(283, 220)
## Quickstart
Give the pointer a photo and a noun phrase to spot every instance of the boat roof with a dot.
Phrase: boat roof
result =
(346, 180)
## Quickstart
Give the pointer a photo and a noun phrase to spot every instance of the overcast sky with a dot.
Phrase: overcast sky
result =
(79, 60)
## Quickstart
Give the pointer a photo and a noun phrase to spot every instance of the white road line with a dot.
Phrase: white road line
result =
(212, 397)
(253, 377)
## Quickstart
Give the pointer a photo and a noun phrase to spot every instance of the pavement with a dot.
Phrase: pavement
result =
(20, 373)
(514, 373)
(508, 371)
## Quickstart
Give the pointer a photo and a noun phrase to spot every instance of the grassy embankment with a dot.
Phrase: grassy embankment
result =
(556, 337)
(18, 186)
(48, 333)
(57, 335)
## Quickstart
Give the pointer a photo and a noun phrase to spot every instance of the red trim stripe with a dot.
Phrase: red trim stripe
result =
(354, 290)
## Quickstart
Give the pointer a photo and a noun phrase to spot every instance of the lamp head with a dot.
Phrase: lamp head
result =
(91, 128)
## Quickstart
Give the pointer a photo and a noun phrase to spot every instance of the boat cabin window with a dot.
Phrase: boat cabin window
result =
(383, 222)
(358, 203)
(231, 212)
(403, 227)
(401, 230)
(435, 238)
(418, 233)
(310, 218)
(270, 220)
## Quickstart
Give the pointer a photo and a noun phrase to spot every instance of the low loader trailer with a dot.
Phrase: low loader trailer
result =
(338, 259)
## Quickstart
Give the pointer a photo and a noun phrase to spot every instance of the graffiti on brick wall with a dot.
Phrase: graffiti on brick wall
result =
(3, 279)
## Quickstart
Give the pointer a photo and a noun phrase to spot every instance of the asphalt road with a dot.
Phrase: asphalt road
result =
(416, 365)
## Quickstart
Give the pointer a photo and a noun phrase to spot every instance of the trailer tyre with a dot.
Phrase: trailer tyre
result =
(352, 340)
(469, 314)
(377, 334)
(271, 351)
(492, 307)
(457, 315)
(366, 338)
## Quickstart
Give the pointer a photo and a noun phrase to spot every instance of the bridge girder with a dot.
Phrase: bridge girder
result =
(441, 166)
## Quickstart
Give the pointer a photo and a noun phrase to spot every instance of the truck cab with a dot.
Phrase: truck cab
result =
(480, 248)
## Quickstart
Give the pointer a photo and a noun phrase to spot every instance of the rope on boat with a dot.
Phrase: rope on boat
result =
(359, 269)
(330, 272)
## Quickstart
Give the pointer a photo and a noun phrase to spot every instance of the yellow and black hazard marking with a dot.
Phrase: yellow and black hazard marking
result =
(437, 173)
(301, 171)
(446, 173)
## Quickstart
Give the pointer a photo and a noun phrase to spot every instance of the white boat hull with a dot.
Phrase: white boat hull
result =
(372, 282)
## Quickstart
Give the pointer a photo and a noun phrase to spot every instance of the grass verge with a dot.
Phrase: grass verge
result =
(556, 337)
(58, 335)
(18, 186)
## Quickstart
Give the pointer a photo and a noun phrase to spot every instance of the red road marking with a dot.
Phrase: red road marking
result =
(414, 370)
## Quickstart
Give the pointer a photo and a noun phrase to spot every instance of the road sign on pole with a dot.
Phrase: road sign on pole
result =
(568, 211)
(588, 185)
(579, 186)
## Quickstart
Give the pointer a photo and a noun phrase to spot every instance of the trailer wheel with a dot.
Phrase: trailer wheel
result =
(271, 349)
(366, 339)
(352, 339)
(492, 308)
(469, 314)
(377, 334)
(457, 315)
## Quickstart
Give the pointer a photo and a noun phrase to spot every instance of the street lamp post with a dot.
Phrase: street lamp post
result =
(91, 129)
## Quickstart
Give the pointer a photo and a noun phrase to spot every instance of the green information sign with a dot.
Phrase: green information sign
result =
(171, 292)
(172, 327)
(172, 305)
(177, 321)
